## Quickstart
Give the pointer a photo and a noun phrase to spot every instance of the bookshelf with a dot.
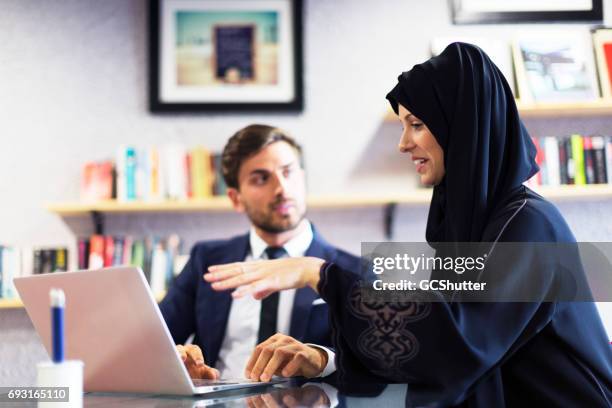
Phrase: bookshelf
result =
(416, 197)
(17, 304)
(600, 106)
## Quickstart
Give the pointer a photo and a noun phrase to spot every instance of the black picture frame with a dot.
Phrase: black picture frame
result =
(463, 16)
(159, 103)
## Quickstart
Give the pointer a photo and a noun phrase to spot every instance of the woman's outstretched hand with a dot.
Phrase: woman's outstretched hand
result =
(261, 278)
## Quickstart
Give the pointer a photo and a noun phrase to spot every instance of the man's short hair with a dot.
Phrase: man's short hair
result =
(246, 143)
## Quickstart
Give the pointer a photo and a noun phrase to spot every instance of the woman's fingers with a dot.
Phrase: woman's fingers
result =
(259, 289)
(222, 272)
(237, 281)
(216, 272)
(261, 278)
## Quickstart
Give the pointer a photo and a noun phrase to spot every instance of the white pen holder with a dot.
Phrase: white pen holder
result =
(69, 374)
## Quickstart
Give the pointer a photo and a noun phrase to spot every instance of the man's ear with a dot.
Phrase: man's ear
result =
(234, 196)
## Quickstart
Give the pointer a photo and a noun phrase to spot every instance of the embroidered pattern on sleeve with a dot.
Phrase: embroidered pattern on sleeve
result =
(387, 340)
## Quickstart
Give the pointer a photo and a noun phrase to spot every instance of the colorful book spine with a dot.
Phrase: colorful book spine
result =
(37, 261)
(220, 188)
(201, 174)
(609, 159)
(599, 159)
(154, 170)
(48, 260)
(175, 172)
(551, 151)
(571, 166)
(189, 174)
(128, 243)
(138, 254)
(97, 181)
(589, 160)
(96, 252)
(578, 159)
(130, 174)
(109, 250)
(141, 175)
(61, 260)
(118, 250)
(83, 252)
(536, 180)
(563, 167)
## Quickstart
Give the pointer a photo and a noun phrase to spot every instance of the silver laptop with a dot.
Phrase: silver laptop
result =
(113, 324)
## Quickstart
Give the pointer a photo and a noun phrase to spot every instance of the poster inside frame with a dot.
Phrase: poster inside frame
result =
(555, 66)
(225, 55)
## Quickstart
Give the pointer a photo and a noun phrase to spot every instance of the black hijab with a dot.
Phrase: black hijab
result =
(468, 106)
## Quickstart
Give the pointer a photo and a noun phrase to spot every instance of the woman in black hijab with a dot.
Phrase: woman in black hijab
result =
(464, 134)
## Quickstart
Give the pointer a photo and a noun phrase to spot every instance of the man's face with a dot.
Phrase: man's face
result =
(272, 189)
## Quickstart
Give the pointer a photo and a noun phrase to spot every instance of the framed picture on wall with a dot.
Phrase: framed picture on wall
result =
(602, 42)
(555, 66)
(525, 11)
(225, 55)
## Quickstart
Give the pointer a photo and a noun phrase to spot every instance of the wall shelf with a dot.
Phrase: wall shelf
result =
(389, 203)
(600, 106)
(593, 108)
(10, 304)
(575, 193)
(417, 196)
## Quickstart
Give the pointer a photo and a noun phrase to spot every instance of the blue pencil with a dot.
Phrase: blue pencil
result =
(58, 301)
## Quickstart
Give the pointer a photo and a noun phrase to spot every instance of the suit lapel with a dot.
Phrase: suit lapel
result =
(305, 296)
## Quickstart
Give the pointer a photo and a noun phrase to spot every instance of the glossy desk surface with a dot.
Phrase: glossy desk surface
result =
(282, 395)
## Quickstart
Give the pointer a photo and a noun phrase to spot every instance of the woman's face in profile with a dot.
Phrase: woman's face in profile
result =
(426, 153)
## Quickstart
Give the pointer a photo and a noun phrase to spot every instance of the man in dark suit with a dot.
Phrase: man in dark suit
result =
(265, 178)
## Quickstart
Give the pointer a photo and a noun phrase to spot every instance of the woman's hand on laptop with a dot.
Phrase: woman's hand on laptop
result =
(262, 278)
(194, 362)
(285, 356)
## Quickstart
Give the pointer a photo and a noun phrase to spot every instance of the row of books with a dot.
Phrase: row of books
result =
(15, 262)
(159, 258)
(575, 159)
(149, 174)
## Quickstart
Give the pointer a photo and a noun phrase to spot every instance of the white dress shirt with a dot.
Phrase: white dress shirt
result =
(243, 324)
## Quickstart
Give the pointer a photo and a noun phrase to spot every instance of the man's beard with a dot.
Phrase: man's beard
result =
(265, 221)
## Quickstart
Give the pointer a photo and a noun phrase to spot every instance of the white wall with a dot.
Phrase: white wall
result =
(73, 86)
(73, 82)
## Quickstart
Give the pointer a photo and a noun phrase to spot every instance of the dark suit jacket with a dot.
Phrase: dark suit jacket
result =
(192, 306)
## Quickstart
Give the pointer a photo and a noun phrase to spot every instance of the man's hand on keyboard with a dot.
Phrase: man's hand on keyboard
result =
(194, 362)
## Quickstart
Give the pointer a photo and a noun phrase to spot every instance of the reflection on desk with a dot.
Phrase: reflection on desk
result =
(293, 394)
